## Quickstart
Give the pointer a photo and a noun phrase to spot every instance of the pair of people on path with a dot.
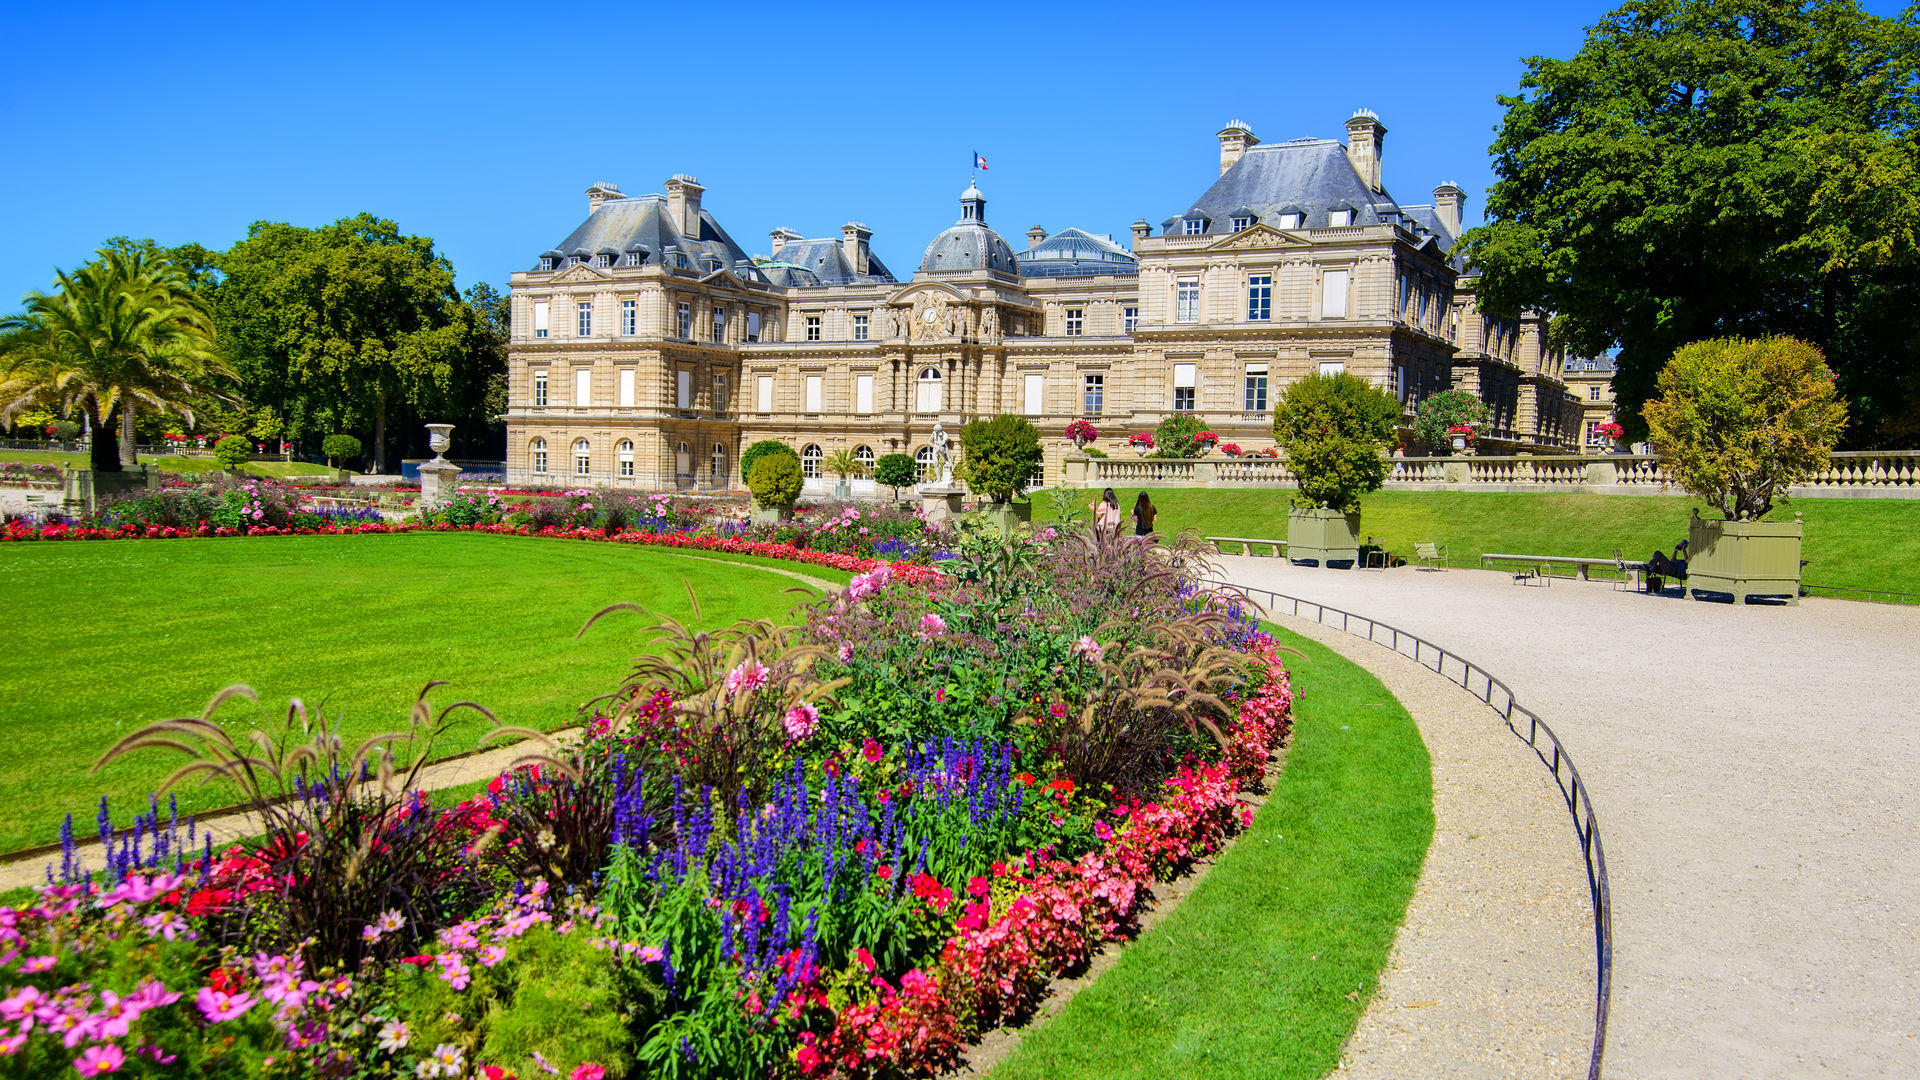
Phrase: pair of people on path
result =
(1107, 515)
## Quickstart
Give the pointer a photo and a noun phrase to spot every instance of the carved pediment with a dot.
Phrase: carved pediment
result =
(579, 272)
(1264, 237)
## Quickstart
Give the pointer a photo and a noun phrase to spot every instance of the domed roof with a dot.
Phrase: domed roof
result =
(969, 244)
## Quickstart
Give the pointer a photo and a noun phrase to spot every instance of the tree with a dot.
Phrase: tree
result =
(842, 463)
(339, 446)
(896, 471)
(762, 449)
(1741, 421)
(1001, 456)
(776, 481)
(1177, 437)
(1444, 410)
(1335, 430)
(1704, 168)
(122, 332)
(233, 452)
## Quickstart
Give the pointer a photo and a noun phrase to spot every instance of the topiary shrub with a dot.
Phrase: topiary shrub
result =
(1740, 421)
(1335, 430)
(1444, 410)
(1178, 437)
(232, 452)
(1000, 457)
(339, 446)
(896, 471)
(775, 481)
(762, 449)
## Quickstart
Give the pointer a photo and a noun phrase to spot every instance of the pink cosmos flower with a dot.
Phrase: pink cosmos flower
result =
(11, 1044)
(801, 720)
(492, 954)
(652, 954)
(33, 965)
(100, 1060)
(27, 1002)
(455, 971)
(588, 1071)
(218, 1006)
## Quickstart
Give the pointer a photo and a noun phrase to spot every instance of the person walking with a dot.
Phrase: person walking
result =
(1106, 513)
(1143, 515)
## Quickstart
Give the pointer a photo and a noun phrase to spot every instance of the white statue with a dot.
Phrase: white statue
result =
(942, 457)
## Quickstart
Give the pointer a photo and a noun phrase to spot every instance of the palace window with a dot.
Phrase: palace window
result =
(601, 262)
(1184, 378)
(719, 326)
(928, 391)
(1194, 226)
(537, 455)
(582, 387)
(1094, 394)
(1241, 224)
(1186, 306)
(539, 388)
(813, 328)
(686, 320)
(627, 376)
(753, 326)
(1260, 297)
(585, 320)
(810, 461)
(719, 393)
(1290, 221)
(683, 388)
(1593, 393)
(629, 317)
(864, 455)
(1330, 368)
(1036, 388)
(635, 258)
(1256, 395)
(1076, 321)
(546, 262)
(1339, 219)
(923, 461)
(582, 458)
(683, 462)
(763, 394)
(815, 391)
(540, 309)
(1129, 318)
(859, 328)
(863, 393)
(1333, 294)
(717, 463)
(624, 454)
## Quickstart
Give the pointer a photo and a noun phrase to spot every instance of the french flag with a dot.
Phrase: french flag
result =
(979, 162)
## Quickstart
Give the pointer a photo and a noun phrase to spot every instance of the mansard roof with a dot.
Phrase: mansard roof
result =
(1076, 253)
(1310, 176)
(821, 262)
(643, 223)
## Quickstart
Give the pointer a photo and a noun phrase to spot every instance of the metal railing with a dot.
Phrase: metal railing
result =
(1871, 596)
(1531, 729)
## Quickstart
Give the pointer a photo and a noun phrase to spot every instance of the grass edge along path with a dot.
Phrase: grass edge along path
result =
(1265, 969)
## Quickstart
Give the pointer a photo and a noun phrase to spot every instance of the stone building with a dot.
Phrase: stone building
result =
(1590, 382)
(649, 349)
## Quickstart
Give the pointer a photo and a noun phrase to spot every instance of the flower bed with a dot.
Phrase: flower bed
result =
(834, 849)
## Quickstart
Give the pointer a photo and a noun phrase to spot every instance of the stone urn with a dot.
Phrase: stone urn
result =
(1459, 443)
(437, 476)
(1139, 448)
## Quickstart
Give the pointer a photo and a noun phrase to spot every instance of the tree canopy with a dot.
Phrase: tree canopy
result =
(1335, 430)
(1707, 168)
(999, 456)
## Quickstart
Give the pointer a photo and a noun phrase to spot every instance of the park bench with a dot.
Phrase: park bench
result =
(1544, 564)
(339, 501)
(1247, 544)
(1429, 555)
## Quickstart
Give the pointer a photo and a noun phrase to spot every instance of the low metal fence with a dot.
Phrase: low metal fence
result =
(1531, 729)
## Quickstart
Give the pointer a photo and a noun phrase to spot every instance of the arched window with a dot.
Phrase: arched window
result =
(718, 464)
(810, 461)
(624, 453)
(582, 458)
(929, 401)
(923, 458)
(864, 455)
(537, 452)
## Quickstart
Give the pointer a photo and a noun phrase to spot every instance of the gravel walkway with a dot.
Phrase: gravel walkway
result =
(1754, 773)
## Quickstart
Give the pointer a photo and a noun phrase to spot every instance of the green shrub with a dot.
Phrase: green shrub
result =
(337, 447)
(775, 481)
(1174, 438)
(759, 450)
(1335, 429)
(1447, 409)
(64, 430)
(896, 471)
(1001, 455)
(1094, 451)
(1740, 421)
(232, 452)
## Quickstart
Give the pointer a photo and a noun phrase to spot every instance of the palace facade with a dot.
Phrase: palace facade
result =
(649, 349)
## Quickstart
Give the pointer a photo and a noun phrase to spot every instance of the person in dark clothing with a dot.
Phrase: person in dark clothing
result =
(1143, 515)
(1659, 566)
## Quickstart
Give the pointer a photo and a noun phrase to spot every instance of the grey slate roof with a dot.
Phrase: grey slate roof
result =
(1428, 219)
(970, 244)
(1306, 175)
(1076, 253)
(1602, 364)
(820, 262)
(623, 224)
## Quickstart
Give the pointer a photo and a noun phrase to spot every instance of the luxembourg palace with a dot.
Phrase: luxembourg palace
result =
(649, 349)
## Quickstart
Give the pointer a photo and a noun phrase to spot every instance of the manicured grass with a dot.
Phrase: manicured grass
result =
(44, 457)
(166, 463)
(1852, 543)
(109, 635)
(1264, 970)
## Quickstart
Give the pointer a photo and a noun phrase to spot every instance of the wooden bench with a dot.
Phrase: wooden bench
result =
(1544, 564)
(1247, 543)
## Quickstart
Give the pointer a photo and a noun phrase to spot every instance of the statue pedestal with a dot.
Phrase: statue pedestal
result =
(436, 482)
(939, 502)
(87, 489)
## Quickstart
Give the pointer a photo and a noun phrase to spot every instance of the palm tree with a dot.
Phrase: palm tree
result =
(842, 464)
(123, 332)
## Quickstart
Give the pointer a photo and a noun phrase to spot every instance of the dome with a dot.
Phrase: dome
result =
(969, 244)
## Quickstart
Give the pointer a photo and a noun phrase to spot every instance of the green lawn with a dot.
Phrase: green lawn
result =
(166, 463)
(108, 635)
(1853, 543)
(1264, 970)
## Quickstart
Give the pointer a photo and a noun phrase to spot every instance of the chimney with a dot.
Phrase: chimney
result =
(781, 237)
(1235, 139)
(1141, 230)
(856, 244)
(1035, 236)
(1366, 136)
(604, 191)
(683, 204)
(1448, 202)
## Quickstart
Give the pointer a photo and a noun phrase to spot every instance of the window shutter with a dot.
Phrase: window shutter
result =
(583, 387)
(626, 388)
(1333, 294)
(1036, 395)
(763, 399)
(863, 394)
(813, 393)
(683, 390)
(1183, 374)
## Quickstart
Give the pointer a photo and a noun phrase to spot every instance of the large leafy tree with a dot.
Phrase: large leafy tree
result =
(1335, 430)
(1713, 168)
(122, 333)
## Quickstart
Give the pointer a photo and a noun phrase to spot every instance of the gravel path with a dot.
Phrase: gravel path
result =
(1754, 773)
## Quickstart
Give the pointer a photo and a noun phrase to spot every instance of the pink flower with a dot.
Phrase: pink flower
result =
(100, 1060)
(871, 750)
(588, 1071)
(455, 971)
(651, 954)
(492, 954)
(33, 965)
(1088, 648)
(748, 677)
(931, 623)
(846, 653)
(218, 1006)
(865, 958)
(801, 720)
(940, 695)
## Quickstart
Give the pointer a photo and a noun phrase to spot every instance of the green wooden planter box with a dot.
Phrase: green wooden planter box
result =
(1007, 516)
(1744, 560)
(1319, 537)
(87, 489)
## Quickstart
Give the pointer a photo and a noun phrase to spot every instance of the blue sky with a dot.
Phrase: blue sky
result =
(481, 125)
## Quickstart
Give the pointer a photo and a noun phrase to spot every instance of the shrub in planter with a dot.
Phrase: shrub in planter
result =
(232, 452)
(1000, 457)
(762, 449)
(338, 447)
(1178, 436)
(1335, 430)
(896, 471)
(1442, 412)
(775, 481)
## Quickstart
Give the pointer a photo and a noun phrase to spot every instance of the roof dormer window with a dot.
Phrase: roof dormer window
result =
(1195, 226)
(602, 261)
(1290, 221)
(546, 262)
(1340, 217)
(636, 257)
(1241, 224)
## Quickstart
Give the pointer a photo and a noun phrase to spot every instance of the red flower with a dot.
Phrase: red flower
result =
(871, 750)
